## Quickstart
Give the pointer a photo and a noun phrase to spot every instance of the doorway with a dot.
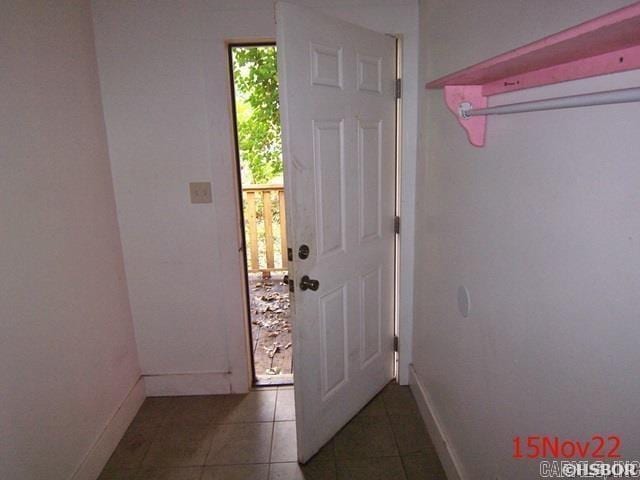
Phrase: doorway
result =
(339, 104)
(257, 132)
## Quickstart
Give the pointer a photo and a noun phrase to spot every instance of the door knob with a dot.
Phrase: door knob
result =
(308, 283)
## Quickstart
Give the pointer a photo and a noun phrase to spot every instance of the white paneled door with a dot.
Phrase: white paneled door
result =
(337, 101)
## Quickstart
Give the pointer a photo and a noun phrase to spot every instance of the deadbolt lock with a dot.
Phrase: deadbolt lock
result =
(303, 252)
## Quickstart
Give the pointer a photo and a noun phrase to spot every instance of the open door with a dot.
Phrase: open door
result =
(337, 101)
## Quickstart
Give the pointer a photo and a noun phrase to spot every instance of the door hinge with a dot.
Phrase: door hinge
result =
(395, 343)
(398, 88)
(396, 224)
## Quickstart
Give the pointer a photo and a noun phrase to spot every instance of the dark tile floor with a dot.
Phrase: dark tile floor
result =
(253, 437)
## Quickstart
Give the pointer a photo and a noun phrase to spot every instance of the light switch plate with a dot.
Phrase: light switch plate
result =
(200, 192)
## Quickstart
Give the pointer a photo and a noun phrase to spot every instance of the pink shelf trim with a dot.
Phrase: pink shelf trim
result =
(607, 44)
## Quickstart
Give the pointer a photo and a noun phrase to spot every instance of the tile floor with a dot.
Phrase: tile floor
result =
(252, 437)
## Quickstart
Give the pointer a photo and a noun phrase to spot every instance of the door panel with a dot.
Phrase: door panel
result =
(370, 166)
(371, 319)
(328, 159)
(333, 335)
(337, 102)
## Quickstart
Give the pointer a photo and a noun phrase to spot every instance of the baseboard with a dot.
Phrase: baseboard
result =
(206, 383)
(106, 443)
(446, 452)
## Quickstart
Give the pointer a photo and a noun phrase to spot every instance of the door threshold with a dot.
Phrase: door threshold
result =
(273, 380)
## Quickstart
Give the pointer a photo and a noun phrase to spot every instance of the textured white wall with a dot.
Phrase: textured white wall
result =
(67, 352)
(543, 227)
(165, 86)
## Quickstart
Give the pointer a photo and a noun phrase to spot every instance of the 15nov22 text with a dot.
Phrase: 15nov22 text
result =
(545, 446)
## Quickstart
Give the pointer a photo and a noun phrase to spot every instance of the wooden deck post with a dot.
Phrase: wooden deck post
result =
(254, 228)
(268, 227)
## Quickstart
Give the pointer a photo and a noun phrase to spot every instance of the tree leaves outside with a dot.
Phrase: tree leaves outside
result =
(258, 115)
(255, 77)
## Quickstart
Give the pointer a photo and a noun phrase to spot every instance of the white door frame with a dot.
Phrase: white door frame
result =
(406, 186)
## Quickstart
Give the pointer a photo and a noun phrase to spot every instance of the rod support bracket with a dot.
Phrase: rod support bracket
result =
(464, 109)
(460, 99)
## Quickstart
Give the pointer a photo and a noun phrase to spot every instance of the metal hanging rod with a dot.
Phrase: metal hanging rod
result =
(610, 97)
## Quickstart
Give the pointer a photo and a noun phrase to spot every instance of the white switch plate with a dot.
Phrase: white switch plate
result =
(200, 192)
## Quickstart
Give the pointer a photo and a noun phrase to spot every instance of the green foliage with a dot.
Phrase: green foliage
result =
(256, 84)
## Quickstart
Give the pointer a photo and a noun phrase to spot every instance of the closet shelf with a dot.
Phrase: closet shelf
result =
(606, 44)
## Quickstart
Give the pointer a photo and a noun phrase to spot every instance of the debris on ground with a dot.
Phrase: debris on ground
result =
(271, 325)
(272, 350)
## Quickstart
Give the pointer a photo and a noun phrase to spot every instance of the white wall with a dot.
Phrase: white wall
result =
(543, 227)
(165, 85)
(67, 352)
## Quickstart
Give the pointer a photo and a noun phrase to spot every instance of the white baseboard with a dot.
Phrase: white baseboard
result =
(107, 442)
(446, 452)
(206, 383)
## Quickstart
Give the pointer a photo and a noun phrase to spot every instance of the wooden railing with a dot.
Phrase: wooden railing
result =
(265, 227)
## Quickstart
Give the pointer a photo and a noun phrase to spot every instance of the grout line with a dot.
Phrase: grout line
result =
(393, 436)
(154, 438)
(335, 456)
(273, 424)
(218, 465)
(285, 462)
(273, 429)
(275, 405)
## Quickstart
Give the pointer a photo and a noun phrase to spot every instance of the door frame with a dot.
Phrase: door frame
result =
(405, 192)
(229, 45)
